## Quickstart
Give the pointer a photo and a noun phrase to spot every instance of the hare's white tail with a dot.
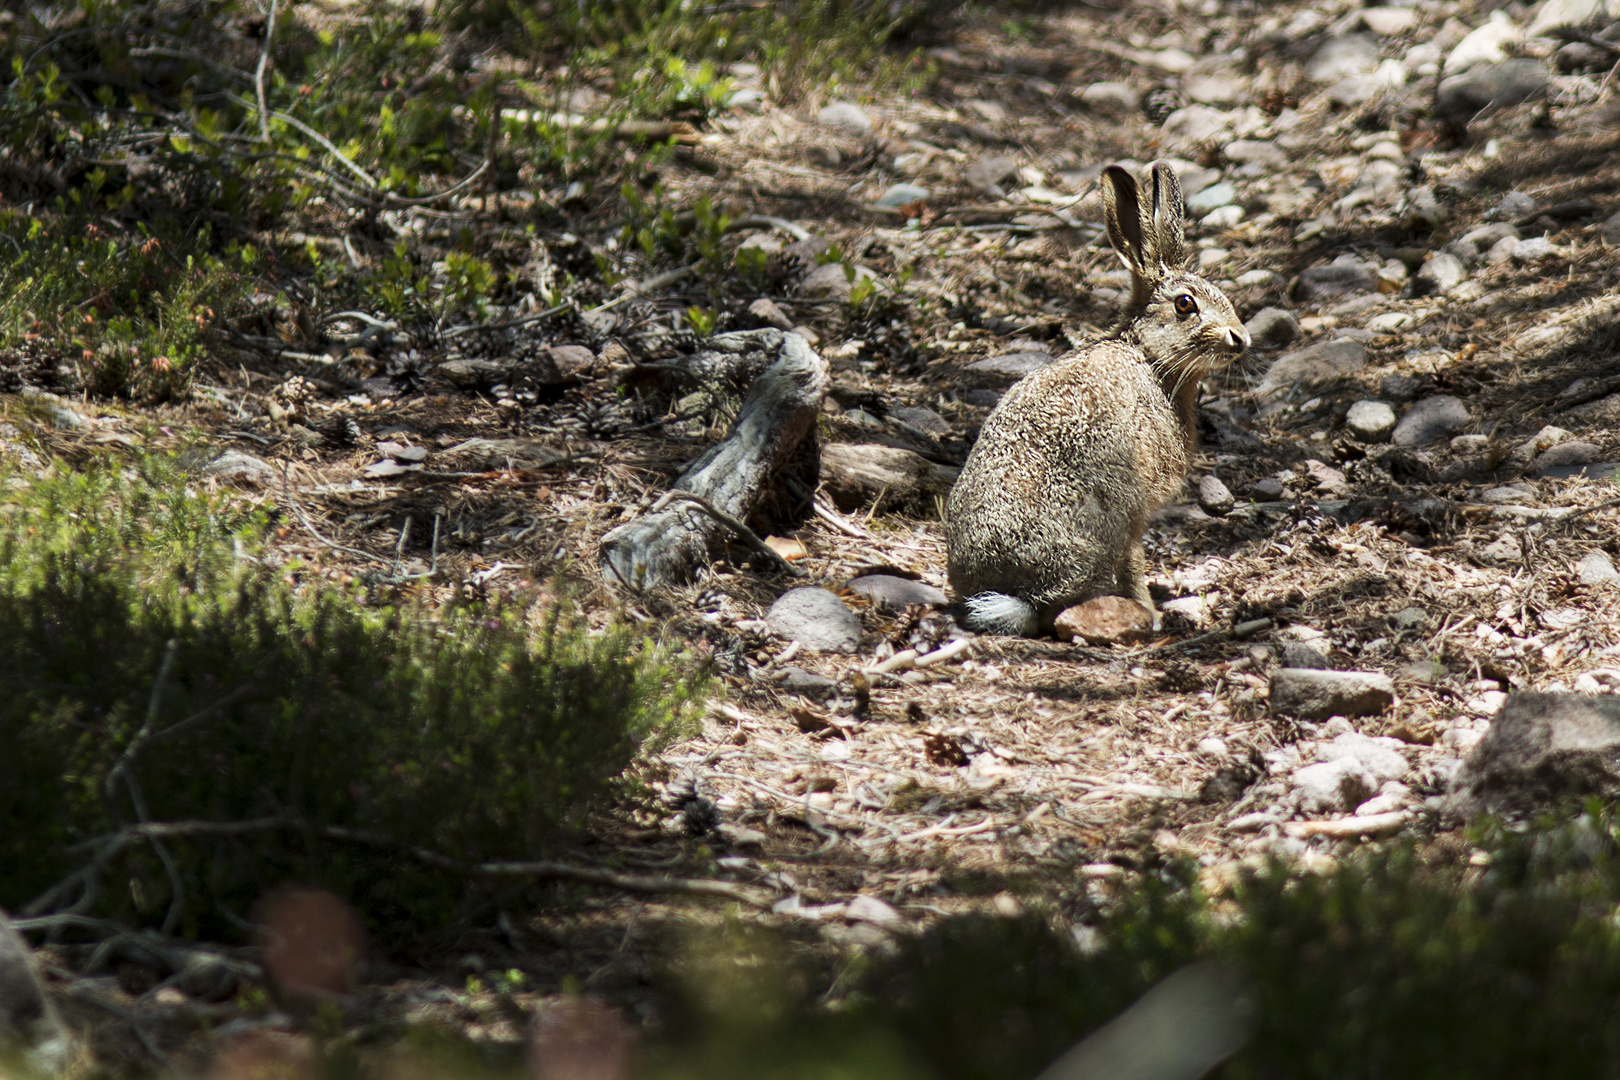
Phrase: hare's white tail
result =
(998, 613)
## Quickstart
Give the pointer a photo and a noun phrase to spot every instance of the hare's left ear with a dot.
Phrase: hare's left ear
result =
(1165, 217)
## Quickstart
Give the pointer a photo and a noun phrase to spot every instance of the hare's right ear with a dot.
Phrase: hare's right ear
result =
(1167, 236)
(1122, 212)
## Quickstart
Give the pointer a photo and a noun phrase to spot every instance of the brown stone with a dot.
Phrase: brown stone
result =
(1105, 620)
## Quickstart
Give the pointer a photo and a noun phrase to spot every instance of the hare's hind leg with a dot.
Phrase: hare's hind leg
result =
(1133, 577)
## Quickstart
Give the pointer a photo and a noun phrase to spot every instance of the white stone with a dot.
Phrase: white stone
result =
(1340, 57)
(1333, 786)
(1198, 124)
(1597, 569)
(1556, 13)
(1223, 217)
(1380, 756)
(1389, 21)
(845, 116)
(1370, 421)
(1485, 45)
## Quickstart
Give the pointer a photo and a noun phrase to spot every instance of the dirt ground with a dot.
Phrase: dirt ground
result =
(1037, 772)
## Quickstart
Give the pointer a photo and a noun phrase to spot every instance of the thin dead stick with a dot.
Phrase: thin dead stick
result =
(1575, 515)
(837, 522)
(748, 536)
(765, 221)
(658, 281)
(553, 871)
(799, 800)
(329, 146)
(258, 77)
(542, 871)
(309, 526)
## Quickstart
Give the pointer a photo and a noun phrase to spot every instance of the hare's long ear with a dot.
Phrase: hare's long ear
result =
(1122, 212)
(1167, 231)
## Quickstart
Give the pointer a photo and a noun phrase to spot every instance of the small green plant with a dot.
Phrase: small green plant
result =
(701, 320)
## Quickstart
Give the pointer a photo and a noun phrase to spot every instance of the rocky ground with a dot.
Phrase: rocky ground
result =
(1404, 508)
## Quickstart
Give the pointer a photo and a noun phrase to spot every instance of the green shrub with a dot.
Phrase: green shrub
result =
(1386, 967)
(178, 683)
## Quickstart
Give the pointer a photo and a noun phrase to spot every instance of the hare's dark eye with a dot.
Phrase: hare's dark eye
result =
(1185, 304)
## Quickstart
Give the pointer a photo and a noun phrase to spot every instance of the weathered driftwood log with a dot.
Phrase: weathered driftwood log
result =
(857, 475)
(774, 436)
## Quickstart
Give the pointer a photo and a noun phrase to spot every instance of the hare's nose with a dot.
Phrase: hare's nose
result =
(1237, 338)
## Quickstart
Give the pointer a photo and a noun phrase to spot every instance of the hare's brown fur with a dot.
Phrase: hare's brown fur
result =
(1052, 502)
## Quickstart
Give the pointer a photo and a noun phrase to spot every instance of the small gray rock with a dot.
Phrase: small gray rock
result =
(568, 362)
(1213, 89)
(472, 374)
(1597, 569)
(1399, 387)
(1110, 98)
(1370, 421)
(1514, 205)
(1267, 489)
(986, 174)
(1341, 57)
(1409, 618)
(816, 619)
(410, 455)
(1211, 198)
(1297, 654)
(1314, 365)
(1484, 86)
(770, 313)
(1431, 419)
(1214, 498)
(1353, 90)
(828, 281)
(922, 419)
(1503, 250)
(1468, 246)
(29, 1026)
(1014, 364)
(1198, 124)
(1574, 452)
(1340, 278)
(1441, 273)
(245, 470)
(1541, 749)
(1503, 551)
(896, 593)
(845, 117)
(1379, 756)
(1536, 247)
(1273, 327)
(1310, 694)
(1514, 494)
(1598, 470)
(1611, 230)
(63, 417)
(1335, 786)
(1255, 152)
(1578, 56)
(796, 680)
(902, 195)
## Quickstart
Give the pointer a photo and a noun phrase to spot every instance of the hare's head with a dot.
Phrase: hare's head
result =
(1185, 325)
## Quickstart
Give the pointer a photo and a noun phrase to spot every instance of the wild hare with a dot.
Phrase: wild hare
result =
(1051, 505)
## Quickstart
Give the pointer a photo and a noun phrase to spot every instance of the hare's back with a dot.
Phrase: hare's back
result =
(1099, 407)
